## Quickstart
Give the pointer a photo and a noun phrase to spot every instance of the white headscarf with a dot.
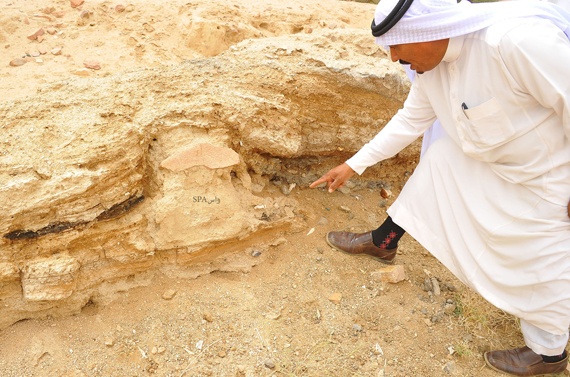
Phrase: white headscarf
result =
(432, 20)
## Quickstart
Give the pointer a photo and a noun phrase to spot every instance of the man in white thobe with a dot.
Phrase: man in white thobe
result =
(489, 199)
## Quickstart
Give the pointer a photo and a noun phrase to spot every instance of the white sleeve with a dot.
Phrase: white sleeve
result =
(407, 125)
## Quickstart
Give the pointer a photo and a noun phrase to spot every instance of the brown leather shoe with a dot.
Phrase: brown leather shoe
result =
(360, 244)
(523, 362)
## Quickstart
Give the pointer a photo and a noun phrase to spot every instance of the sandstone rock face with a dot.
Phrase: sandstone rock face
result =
(106, 178)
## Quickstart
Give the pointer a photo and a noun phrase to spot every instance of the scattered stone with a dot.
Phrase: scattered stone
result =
(18, 62)
(436, 318)
(76, 3)
(109, 342)
(42, 50)
(35, 53)
(83, 72)
(222, 354)
(119, 8)
(390, 274)
(154, 350)
(450, 367)
(449, 308)
(255, 253)
(47, 10)
(92, 64)
(378, 350)
(148, 27)
(385, 193)
(335, 298)
(200, 344)
(35, 36)
(274, 316)
(428, 285)
(279, 241)
(436, 289)
(56, 50)
(42, 17)
(161, 350)
(51, 30)
(323, 221)
(208, 316)
(345, 209)
(356, 327)
(269, 364)
(169, 294)
(345, 190)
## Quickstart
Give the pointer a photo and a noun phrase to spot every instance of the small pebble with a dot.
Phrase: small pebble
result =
(200, 344)
(255, 253)
(76, 3)
(92, 64)
(385, 193)
(35, 36)
(18, 62)
(208, 316)
(335, 298)
(169, 294)
(269, 364)
(436, 288)
(449, 308)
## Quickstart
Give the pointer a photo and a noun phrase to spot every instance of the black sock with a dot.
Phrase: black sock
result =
(554, 359)
(387, 235)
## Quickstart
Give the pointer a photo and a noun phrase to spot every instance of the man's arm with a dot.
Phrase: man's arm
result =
(406, 126)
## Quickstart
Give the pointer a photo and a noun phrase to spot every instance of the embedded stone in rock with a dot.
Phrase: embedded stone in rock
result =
(8, 271)
(49, 279)
(207, 155)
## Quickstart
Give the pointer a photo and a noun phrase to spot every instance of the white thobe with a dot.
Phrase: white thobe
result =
(489, 201)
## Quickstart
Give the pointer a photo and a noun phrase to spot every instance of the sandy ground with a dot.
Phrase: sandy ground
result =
(304, 309)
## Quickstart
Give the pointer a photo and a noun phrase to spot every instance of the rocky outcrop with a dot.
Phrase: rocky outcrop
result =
(105, 179)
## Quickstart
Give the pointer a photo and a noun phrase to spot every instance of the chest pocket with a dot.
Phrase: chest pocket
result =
(487, 126)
